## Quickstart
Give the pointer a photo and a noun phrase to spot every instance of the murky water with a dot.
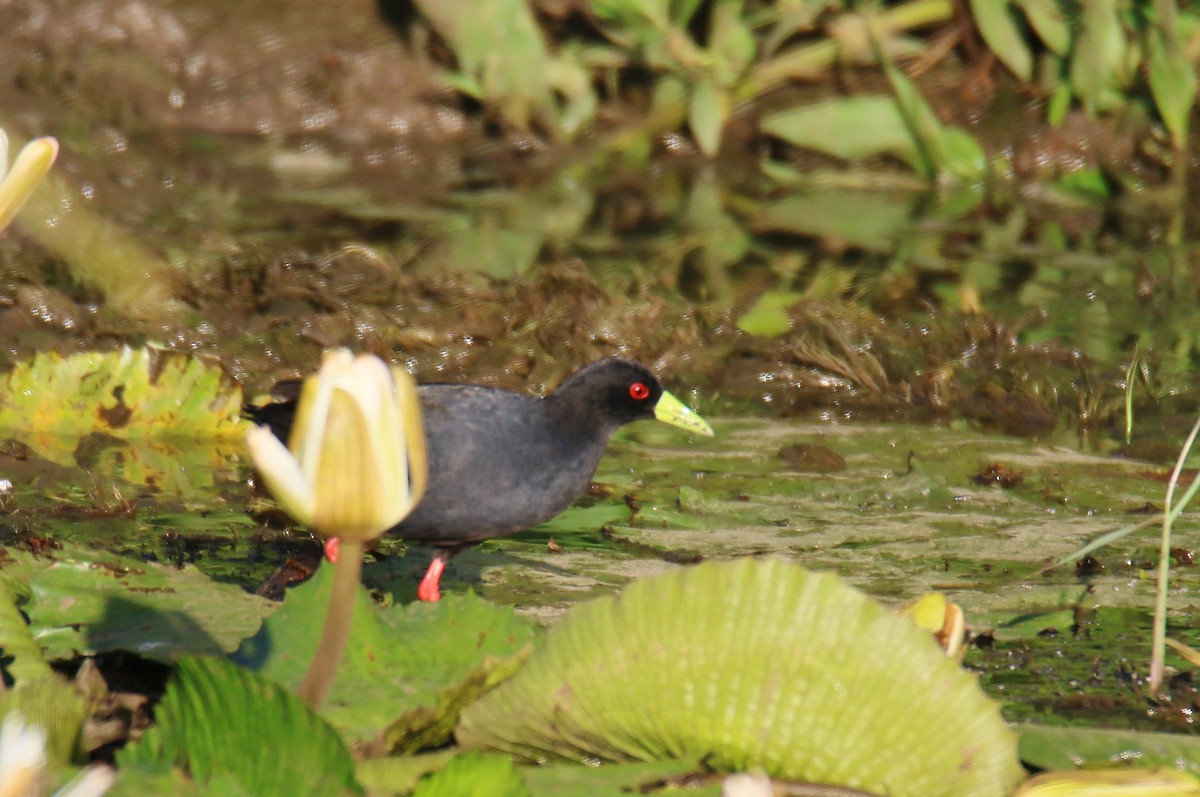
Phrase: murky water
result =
(898, 509)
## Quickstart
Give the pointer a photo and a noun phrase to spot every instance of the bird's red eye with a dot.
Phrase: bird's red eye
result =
(638, 391)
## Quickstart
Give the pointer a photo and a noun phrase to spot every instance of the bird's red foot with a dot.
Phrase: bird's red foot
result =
(332, 544)
(428, 591)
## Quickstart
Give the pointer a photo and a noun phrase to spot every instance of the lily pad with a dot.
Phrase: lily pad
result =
(1048, 747)
(52, 401)
(85, 602)
(474, 775)
(215, 719)
(408, 670)
(753, 664)
(611, 780)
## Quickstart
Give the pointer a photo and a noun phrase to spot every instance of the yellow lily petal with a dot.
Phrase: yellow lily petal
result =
(282, 474)
(349, 486)
(34, 160)
(308, 427)
(414, 434)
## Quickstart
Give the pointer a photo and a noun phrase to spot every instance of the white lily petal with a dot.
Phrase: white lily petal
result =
(282, 474)
(31, 165)
(22, 755)
(409, 404)
(352, 500)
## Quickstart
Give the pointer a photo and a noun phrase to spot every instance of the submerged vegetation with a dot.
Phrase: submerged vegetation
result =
(932, 265)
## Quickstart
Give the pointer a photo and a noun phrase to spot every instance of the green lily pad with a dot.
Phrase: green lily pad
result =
(408, 670)
(53, 705)
(85, 602)
(474, 775)
(1052, 748)
(753, 664)
(224, 723)
(51, 401)
(610, 780)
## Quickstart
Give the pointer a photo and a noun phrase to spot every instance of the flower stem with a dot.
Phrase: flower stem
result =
(347, 574)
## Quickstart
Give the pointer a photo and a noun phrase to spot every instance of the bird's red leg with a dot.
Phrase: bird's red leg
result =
(331, 549)
(428, 591)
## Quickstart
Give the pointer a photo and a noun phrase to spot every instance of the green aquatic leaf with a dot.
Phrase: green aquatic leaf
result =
(23, 659)
(707, 112)
(474, 775)
(852, 128)
(226, 724)
(164, 779)
(611, 780)
(1098, 70)
(1172, 78)
(873, 220)
(85, 602)
(502, 54)
(408, 670)
(731, 43)
(997, 24)
(1048, 747)
(400, 774)
(944, 149)
(753, 664)
(50, 703)
(51, 401)
(1047, 19)
(768, 316)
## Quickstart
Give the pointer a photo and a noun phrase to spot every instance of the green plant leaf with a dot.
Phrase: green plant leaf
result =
(768, 316)
(408, 670)
(149, 779)
(610, 780)
(400, 774)
(852, 128)
(53, 705)
(1172, 80)
(474, 775)
(1047, 747)
(707, 112)
(1047, 19)
(753, 664)
(873, 220)
(997, 24)
(500, 50)
(945, 149)
(86, 602)
(1097, 71)
(732, 43)
(23, 656)
(51, 401)
(220, 721)
(635, 14)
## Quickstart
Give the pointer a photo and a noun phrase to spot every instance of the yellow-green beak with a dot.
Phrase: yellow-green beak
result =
(673, 411)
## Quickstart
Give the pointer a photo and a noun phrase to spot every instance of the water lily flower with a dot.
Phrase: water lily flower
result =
(23, 764)
(355, 463)
(31, 165)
